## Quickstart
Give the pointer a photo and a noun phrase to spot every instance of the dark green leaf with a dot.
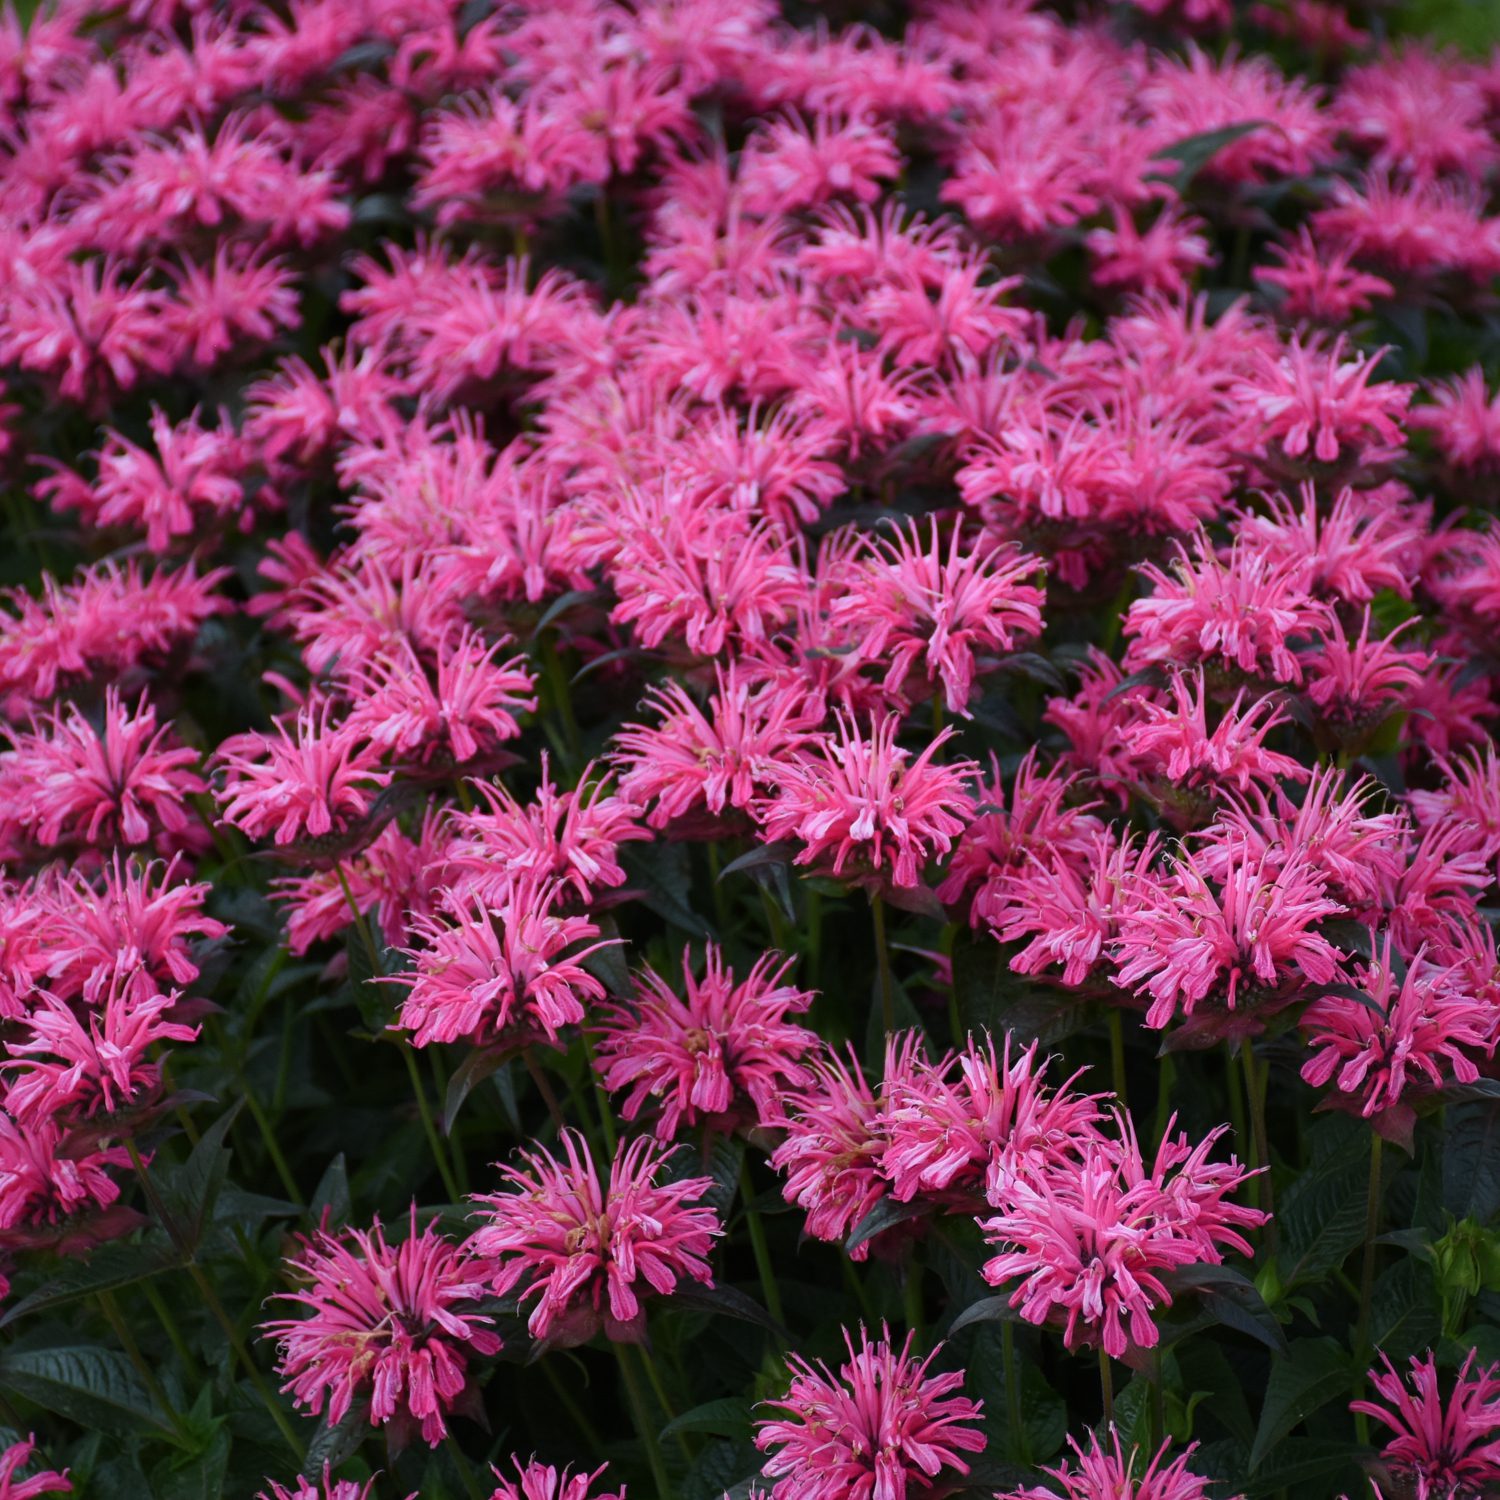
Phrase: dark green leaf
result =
(331, 1197)
(885, 1215)
(199, 1477)
(1313, 1372)
(335, 1443)
(91, 1386)
(730, 1416)
(471, 1072)
(659, 872)
(1194, 153)
(1471, 1161)
(1322, 1216)
(726, 1300)
(191, 1190)
(986, 1310)
(107, 1267)
(992, 998)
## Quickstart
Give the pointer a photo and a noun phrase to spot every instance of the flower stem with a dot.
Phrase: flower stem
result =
(1372, 1231)
(883, 965)
(429, 1125)
(211, 1301)
(464, 1467)
(768, 1288)
(601, 1094)
(571, 1406)
(1107, 1387)
(174, 1333)
(643, 1427)
(539, 1078)
(1255, 1096)
(1021, 1445)
(1117, 1054)
(121, 1330)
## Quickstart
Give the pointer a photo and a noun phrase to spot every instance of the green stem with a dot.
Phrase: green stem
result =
(539, 1078)
(768, 1288)
(1117, 1054)
(911, 1295)
(1255, 1094)
(1372, 1231)
(429, 1125)
(565, 1396)
(1107, 1387)
(883, 963)
(654, 1376)
(643, 1427)
(174, 1333)
(360, 925)
(1020, 1444)
(1166, 1076)
(465, 1469)
(1158, 1403)
(601, 1094)
(121, 1330)
(560, 693)
(721, 902)
(211, 1301)
(273, 1148)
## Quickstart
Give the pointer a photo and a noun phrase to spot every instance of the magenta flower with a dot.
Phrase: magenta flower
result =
(47, 1176)
(1251, 938)
(1424, 1029)
(328, 1488)
(586, 1251)
(14, 1486)
(320, 779)
(1448, 1442)
(539, 1481)
(126, 781)
(724, 1054)
(956, 1137)
(1087, 1244)
(883, 1428)
(508, 973)
(1109, 1473)
(866, 804)
(389, 1322)
(937, 612)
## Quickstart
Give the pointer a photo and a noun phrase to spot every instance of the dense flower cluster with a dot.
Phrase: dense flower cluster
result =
(966, 528)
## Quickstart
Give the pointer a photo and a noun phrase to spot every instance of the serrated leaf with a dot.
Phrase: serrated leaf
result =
(1405, 1313)
(1312, 1373)
(199, 1477)
(105, 1269)
(91, 1386)
(659, 874)
(992, 998)
(730, 1416)
(1229, 1298)
(727, 1300)
(190, 1191)
(1322, 1216)
(334, 1443)
(467, 1076)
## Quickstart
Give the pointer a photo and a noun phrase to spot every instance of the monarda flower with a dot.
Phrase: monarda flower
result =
(1101, 1472)
(319, 779)
(945, 1134)
(883, 1428)
(1186, 941)
(1450, 1442)
(704, 760)
(126, 780)
(1421, 1030)
(538, 1481)
(865, 804)
(393, 1323)
(585, 1250)
(16, 1486)
(1087, 1244)
(328, 1488)
(512, 972)
(938, 612)
(725, 1053)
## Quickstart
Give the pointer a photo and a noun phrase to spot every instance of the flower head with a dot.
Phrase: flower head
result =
(883, 1428)
(391, 1322)
(1101, 1472)
(584, 1249)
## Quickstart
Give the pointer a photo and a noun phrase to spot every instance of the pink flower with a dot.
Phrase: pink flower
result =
(67, 781)
(328, 1489)
(1464, 421)
(953, 1137)
(1157, 259)
(1088, 1243)
(47, 1177)
(1318, 282)
(1452, 1442)
(932, 614)
(71, 1067)
(317, 780)
(539, 1481)
(795, 164)
(1423, 1028)
(14, 1487)
(1109, 1473)
(580, 1248)
(391, 1322)
(502, 974)
(866, 804)
(1255, 937)
(725, 1054)
(883, 1428)
(706, 759)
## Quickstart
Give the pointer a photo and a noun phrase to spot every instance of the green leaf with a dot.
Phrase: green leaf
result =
(91, 1386)
(472, 1071)
(1322, 1215)
(1405, 1313)
(1313, 1372)
(727, 1300)
(106, 1268)
(886, 1214)
(1192, 154)
(200, 1477)
(1471, 1161)
(992, 998)
(659, 873)
(191, 1190)
(332, 1196)
(1231, 1299)
(986, 1310)
(730, 1416)
(337, 1442)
